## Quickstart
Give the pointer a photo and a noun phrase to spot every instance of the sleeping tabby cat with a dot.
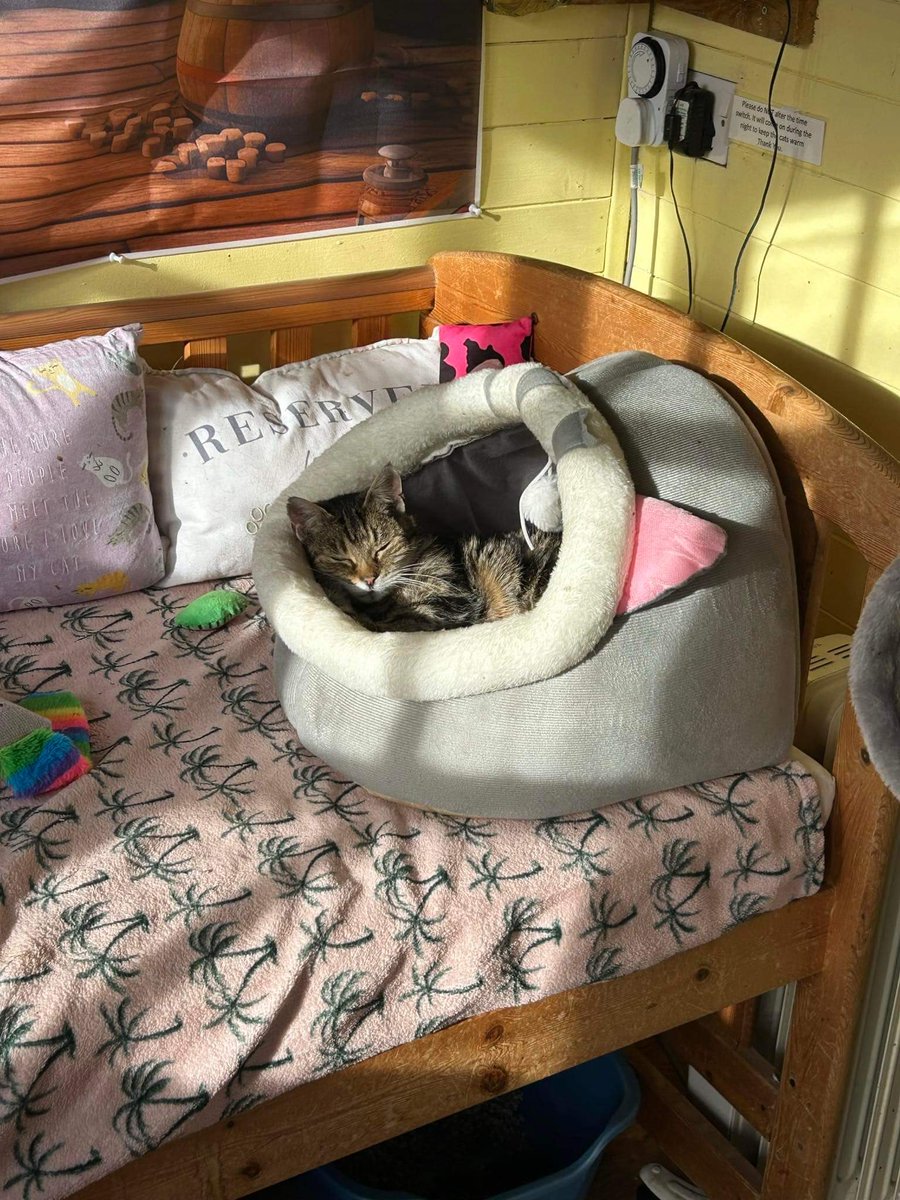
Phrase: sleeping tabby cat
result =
(373, 563)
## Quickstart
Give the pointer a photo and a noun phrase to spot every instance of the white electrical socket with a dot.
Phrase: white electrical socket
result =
(723, 90)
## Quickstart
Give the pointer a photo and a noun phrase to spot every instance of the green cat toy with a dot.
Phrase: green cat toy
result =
(212, 610)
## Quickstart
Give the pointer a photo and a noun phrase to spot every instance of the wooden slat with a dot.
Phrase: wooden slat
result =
(84, 19)
(738, 1073)
(739, 1020)
(291, 345)
(237, 310)
(132, 91)
(430, 1078)
(70, 66)
(183, 209)
(765, 20)
(206, 352)
(32, 41)
(367, 330)
(691, 1141)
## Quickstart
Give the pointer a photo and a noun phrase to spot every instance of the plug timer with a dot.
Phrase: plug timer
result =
(657, 70)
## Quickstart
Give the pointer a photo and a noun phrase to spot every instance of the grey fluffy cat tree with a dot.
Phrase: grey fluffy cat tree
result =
(875, 675)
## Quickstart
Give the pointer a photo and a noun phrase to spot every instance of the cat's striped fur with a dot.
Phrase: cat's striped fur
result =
(372, 562)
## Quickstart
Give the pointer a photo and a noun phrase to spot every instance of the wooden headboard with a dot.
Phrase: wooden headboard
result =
(203, 321)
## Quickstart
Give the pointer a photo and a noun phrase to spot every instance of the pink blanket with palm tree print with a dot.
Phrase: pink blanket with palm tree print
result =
(212, 917)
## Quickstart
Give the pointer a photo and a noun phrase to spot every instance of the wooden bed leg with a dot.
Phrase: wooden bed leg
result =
(827, 1006)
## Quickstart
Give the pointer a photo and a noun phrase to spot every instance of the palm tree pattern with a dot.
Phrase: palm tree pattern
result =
(213, 916)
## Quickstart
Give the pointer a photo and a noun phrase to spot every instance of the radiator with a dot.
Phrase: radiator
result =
(868, 1161)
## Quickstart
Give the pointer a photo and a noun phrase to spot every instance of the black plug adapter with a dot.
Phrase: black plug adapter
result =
(690, 126)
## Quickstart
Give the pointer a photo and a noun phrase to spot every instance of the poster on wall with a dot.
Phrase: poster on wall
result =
(145, 126)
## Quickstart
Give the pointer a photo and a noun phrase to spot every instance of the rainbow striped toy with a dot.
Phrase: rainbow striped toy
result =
(46, 749)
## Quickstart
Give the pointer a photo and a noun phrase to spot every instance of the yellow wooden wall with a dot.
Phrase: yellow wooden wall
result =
(551, 90)
(821, 286)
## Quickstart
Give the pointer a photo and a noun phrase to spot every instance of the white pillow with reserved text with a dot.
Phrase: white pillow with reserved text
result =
(221, 450)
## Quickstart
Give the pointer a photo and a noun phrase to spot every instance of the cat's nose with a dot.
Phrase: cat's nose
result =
(369, 580)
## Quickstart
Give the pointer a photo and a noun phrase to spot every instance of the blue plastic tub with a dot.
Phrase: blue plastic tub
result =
(568, 1121)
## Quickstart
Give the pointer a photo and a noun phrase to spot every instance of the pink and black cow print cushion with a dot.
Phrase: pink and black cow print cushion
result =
(468, 348)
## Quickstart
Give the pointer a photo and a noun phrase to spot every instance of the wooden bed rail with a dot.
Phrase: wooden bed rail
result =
(205, 320)
(739, 1073)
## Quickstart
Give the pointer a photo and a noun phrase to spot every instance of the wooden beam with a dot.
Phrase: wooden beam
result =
(738, 1073)
(455, 1068)
(367, 330)
(691, 1141)
(291, 345)
(206, 352)
(766, 20)
(739, 1020)
(237, 310)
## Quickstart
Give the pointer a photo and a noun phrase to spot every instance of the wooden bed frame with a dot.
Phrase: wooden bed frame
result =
(834, 479)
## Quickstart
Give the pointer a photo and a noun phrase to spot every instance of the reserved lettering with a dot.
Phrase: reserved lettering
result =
(242, 428)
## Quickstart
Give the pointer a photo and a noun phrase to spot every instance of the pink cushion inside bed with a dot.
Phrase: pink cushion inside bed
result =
(670, 547)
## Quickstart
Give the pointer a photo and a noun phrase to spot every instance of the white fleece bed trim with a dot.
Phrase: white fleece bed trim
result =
(580, 601)
(824, 781)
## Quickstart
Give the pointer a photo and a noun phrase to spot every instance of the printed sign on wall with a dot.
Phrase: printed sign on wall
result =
(149, 125)
(799, 135)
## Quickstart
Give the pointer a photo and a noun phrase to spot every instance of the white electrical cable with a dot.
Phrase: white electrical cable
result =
(540, 475)
(636, 180)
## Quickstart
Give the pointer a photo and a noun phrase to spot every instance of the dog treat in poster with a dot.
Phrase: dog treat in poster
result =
(149, 125)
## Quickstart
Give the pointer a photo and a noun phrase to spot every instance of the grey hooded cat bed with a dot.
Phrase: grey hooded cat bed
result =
(560, 709)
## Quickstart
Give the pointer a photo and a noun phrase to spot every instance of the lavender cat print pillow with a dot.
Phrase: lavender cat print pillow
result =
(76, 514)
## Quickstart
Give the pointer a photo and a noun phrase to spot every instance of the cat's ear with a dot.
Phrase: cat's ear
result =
(307, 519)
(387, 490)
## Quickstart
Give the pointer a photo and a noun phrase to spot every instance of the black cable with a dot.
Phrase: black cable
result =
(765, 192)
(687, 249)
